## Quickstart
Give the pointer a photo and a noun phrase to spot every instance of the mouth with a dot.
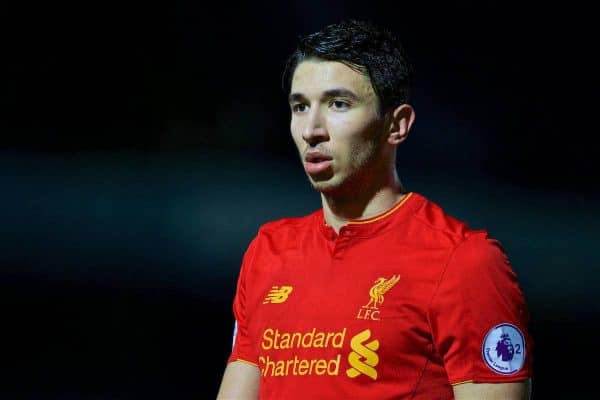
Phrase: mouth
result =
(316, 163)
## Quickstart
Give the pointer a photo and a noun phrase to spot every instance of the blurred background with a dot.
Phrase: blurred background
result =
(143, 144)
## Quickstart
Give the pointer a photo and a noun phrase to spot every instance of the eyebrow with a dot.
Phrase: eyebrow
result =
(337, 92)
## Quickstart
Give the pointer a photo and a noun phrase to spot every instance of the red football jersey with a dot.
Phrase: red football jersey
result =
(402, 305)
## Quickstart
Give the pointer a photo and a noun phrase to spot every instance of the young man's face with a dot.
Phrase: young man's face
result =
(335, 124)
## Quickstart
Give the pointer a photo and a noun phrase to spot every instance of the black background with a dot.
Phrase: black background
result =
(143, 145)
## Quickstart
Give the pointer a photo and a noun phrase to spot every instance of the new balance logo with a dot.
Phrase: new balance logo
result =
(278, 294)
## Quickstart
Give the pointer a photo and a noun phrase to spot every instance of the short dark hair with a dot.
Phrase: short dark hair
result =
(364, 47)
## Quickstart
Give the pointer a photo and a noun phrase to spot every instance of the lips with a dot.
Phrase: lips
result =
(316, 157)
(316, 163)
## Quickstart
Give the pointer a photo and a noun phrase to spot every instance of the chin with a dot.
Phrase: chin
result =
(327, 186)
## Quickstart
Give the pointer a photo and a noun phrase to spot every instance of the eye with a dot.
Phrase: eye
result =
(340, 105)
(299, 107)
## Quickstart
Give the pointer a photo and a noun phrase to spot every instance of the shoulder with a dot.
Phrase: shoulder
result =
(439, 227)
(289, 223)
(289, 229)
(277, 236)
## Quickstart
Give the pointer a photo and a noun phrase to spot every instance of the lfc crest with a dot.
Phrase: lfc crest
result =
(381, 286)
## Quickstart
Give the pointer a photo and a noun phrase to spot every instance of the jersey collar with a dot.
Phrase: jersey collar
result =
(374, 225)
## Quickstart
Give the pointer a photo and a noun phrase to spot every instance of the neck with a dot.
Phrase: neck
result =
(362, 203)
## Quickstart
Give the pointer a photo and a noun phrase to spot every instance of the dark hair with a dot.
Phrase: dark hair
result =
(365, 48)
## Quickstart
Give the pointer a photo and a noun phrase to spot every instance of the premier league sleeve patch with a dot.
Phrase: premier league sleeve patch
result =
(503, 349)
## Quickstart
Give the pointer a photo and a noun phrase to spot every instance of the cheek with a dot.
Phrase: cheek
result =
(352, 126)
(295, 130)
(351, 137)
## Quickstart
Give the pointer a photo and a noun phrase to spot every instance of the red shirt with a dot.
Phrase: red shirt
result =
(402, 305)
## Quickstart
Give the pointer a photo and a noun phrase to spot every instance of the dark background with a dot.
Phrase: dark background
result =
(145, 143)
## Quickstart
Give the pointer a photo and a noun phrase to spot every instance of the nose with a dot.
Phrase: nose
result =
(315, 130)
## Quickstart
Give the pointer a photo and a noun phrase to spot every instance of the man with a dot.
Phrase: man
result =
(380, 294)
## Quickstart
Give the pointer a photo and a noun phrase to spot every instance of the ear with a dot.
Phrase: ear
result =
(402, 117)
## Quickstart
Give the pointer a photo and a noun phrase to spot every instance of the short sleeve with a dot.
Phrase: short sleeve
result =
(479, 317)
(242, 349)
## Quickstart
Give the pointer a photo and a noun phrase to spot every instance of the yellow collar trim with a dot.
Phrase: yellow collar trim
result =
(381, 216)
